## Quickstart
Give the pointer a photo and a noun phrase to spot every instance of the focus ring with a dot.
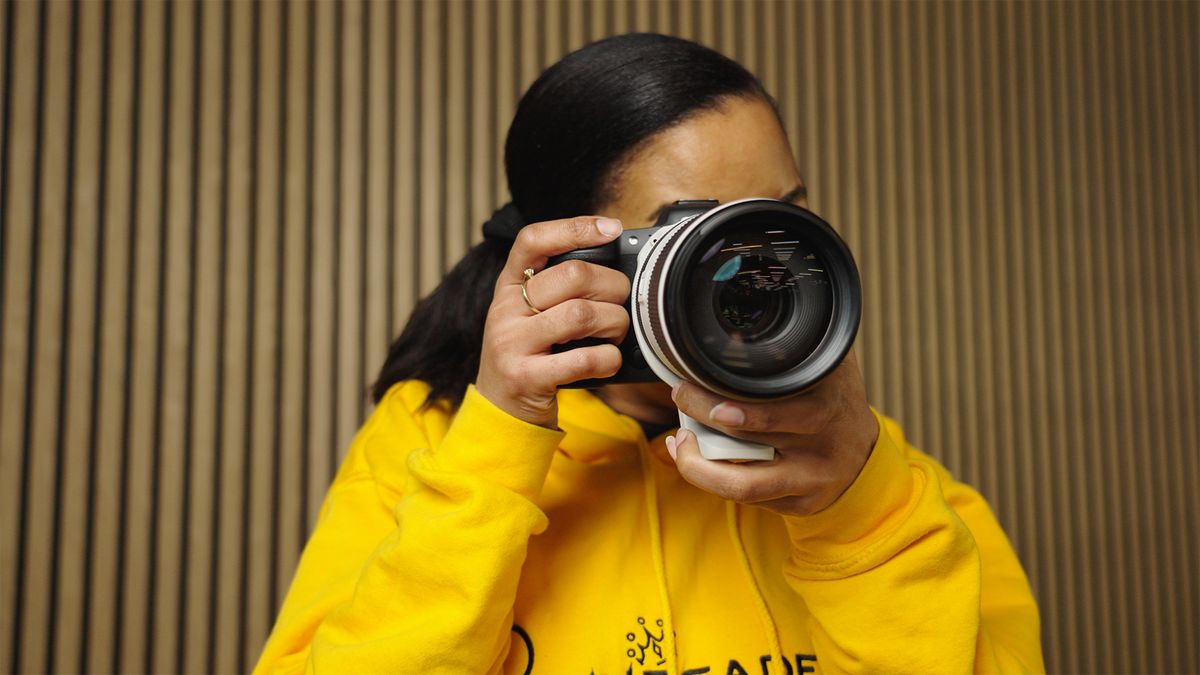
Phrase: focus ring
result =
(654, 317)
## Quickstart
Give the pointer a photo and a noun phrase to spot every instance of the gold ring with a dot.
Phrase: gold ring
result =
(525, 294)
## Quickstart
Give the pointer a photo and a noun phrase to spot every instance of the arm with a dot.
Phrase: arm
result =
(908, 571)
(403, 576)
(901, 568)
(418, 547)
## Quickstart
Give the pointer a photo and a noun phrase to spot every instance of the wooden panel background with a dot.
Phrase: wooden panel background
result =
(215, 215)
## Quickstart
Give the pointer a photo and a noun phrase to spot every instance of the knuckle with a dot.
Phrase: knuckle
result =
(625, 284)
(503, 341)
(576, 274)
(493, 341)
(527, 238)
(611, 316)
(622, 320)
(585, 361)
(579, 313)
(507, 370)
(686, 403)
(581, 228)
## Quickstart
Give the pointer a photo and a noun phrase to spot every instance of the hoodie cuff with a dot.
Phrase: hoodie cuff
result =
(485, 441)
(842, 536)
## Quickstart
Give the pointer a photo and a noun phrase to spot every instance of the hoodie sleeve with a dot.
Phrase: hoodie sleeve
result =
(910, 572)
(418, 547)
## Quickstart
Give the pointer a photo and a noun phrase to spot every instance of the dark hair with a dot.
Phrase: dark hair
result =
(573, 128)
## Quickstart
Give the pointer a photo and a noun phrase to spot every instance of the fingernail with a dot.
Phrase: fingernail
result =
(609, 227)
(724, 413)
(675, 389)
(671, 446)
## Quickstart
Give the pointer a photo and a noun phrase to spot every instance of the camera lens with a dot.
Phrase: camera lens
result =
(755, 299)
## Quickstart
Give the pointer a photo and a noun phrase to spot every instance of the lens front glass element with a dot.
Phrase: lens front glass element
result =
(759, 299)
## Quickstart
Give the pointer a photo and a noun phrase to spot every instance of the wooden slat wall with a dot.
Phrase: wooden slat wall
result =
(215, 216)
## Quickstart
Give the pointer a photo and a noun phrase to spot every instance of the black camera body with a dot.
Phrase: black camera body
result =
(753, 299)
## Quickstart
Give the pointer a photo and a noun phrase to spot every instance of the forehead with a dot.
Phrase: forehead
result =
(733, 152)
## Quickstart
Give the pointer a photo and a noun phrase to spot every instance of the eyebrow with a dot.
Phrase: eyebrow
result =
(794, 194)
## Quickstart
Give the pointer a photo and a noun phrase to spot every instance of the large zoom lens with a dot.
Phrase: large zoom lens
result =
(753, 299)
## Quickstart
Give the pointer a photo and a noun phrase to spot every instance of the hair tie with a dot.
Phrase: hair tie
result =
(504, 224)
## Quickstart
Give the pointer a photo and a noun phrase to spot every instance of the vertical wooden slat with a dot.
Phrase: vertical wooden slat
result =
(454, 212)
(233, 391)
(924, 178)
(143, 283)
(347, 398)
(168, 480)
(481, 88)
(114, 177)
(321, 317)
(575, 37)
(869, 251)
(942, 206)
(80, 198)
(44, 339)
(1019, 475)
(1116, 450)
(376, 273)
(268, 110)
(431, 99)
(12, 453)
(291, 450)
(406, 120)
(208, 279)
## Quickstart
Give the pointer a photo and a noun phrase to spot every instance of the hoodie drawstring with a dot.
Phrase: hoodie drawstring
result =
(731, 516)
(656, 552)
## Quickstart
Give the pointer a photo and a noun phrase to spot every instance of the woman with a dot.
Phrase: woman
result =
(486, 521)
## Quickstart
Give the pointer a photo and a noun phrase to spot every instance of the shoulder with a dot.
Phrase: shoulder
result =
(399, 424)
(966, 501)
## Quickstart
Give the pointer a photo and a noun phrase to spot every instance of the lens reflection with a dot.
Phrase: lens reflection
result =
(750, 301)
(759, 300)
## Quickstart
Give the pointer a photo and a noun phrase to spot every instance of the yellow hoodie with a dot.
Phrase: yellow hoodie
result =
(475, 542)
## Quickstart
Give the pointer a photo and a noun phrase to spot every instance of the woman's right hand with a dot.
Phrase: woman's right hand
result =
(517, 370)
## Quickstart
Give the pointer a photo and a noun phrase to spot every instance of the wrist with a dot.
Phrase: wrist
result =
(876, 501)
(485, 440)
(540, 411)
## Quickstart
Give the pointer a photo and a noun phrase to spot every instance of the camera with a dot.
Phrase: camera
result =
(754, 299)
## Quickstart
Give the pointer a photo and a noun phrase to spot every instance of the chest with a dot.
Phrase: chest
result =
(600, 591)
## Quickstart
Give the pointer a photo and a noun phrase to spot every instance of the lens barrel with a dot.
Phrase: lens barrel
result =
(753, 299)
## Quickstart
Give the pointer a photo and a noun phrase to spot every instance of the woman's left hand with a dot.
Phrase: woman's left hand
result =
(822, 439)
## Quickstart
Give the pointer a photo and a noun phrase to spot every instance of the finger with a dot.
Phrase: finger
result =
(578, 318)
(805, 413)
(746, 483)
(577, 279)
(538, 241)
(581, 363)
